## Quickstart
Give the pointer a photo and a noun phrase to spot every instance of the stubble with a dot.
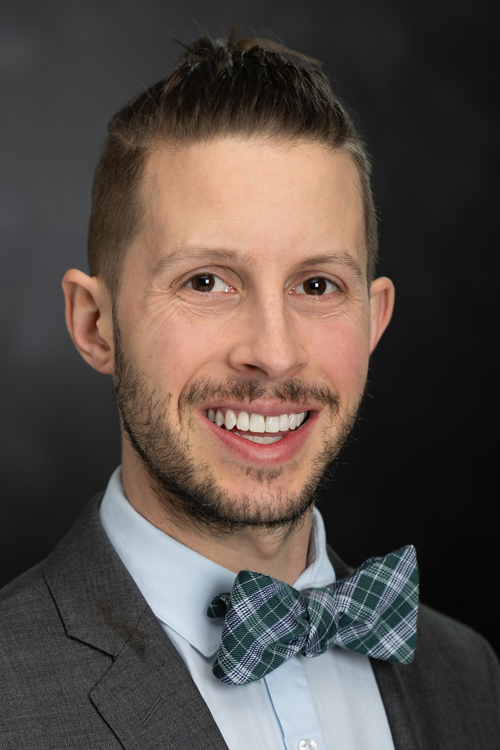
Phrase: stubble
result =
(188, 489)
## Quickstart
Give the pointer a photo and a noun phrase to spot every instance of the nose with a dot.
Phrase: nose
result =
(267, 343)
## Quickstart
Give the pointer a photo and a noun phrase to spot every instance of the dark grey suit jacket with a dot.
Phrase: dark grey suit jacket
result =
(85, 664)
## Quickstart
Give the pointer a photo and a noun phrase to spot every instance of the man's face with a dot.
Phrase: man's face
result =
(242, 328)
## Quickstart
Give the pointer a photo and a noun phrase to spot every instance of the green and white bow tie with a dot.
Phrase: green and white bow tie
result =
(266, 622)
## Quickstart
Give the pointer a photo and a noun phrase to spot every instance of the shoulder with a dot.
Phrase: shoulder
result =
(46, 673)
(25, 606)
(27, 598)
(434, 624)
(455, 650)
(33, 607)
(32, 630)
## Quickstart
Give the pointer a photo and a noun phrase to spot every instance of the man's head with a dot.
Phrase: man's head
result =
(243, 297)
(248, 88)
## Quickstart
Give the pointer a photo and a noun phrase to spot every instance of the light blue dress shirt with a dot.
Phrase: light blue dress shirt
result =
(332, 700)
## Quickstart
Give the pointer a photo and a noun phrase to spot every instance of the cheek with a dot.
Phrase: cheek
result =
(341, 350)
(180, 349)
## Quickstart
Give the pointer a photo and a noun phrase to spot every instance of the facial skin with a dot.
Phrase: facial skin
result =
(216, 310)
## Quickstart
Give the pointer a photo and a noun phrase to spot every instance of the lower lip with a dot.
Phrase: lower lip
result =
(284, 450)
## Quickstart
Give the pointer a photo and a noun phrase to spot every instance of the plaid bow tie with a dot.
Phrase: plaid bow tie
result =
(266, 621)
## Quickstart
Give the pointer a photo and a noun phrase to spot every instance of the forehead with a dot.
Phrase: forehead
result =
(257, 197)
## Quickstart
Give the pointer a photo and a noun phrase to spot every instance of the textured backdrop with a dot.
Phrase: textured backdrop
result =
(423, 79)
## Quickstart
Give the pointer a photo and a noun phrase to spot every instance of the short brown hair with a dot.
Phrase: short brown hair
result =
(251, 87)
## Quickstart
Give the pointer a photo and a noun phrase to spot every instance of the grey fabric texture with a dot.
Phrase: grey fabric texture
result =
(449, 696)
(85, 664)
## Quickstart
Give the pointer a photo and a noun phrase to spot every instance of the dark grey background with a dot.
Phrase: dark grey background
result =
(423, 79)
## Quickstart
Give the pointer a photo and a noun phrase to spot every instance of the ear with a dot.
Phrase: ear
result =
(89, 319)
(381, 307)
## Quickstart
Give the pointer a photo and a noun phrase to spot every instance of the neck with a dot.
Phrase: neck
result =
(280, 553)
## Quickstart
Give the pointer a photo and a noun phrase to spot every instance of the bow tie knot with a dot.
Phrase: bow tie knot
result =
(266, 621)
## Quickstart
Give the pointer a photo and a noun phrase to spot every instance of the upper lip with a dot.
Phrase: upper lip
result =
(259, 406)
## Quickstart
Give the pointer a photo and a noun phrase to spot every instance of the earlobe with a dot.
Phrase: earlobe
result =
(381, 307)
(89, 319)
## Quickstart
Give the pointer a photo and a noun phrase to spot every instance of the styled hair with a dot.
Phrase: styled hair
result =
(246, 88)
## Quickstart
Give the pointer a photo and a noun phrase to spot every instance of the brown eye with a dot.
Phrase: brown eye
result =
(315, 286)
(208, 282)
(203, 283)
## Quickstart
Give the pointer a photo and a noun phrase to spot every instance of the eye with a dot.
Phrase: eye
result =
(316, 286)
(208, 282)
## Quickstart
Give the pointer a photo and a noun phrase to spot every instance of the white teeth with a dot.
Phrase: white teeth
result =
(262, 440)
(257, 423)
(253, 438)
(243, 422)
(284, 423)
(272, 424)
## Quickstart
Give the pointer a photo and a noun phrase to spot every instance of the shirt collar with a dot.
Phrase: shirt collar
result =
(178, 583)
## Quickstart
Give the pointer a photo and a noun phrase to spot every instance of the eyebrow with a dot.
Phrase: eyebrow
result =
(218, 255)
(213, 255)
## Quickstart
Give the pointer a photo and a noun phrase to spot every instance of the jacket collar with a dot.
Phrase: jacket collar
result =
(146, 695)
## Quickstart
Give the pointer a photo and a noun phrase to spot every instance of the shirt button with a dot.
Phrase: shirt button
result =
(306, 745)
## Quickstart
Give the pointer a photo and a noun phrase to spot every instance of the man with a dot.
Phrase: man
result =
(232, 297)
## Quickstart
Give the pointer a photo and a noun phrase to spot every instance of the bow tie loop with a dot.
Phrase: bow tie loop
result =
(266, 621)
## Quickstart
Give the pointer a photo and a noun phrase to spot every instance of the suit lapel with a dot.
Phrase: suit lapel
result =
(150, 700)
(146, 696)
(398, 704)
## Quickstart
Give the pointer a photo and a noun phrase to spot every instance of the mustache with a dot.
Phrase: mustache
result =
(251, 389)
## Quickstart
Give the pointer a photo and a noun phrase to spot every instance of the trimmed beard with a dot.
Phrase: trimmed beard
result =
(189, 490)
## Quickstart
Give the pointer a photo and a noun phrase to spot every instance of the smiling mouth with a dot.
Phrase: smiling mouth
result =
(256, 427)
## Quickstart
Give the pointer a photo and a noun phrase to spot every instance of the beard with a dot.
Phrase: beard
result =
(187, 488)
